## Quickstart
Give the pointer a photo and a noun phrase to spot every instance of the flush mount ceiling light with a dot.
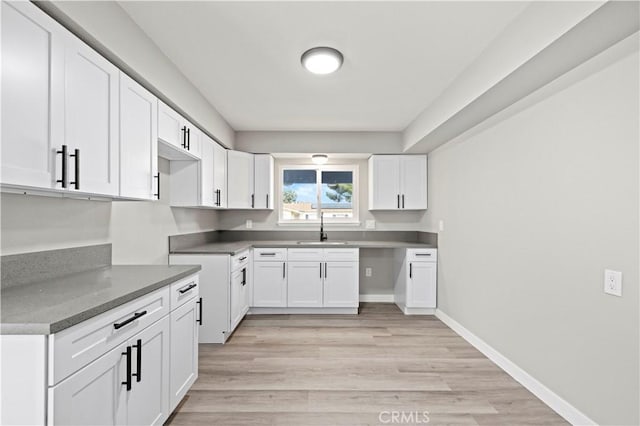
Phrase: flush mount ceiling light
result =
(319, 158)
(322, 60)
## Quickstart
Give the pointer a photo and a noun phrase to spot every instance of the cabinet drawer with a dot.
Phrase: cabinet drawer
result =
(341, 254)
(422, 255)
(268, 254)
(184, 290)
(240, 260)
(77, 346)
(311, 254)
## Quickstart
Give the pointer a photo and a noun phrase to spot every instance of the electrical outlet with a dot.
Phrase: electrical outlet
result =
(367, 272)
(441, 225)
(613, 282)
(370, 224)
(249, 224)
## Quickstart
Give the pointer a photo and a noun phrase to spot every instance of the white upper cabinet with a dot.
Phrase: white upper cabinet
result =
(179, 138)
(398, 182)
(139, 176)
(240, 184)
(250, 180)
(264, 183)
(32, 96)
(220, 175)
(199, 183)
(91, 119)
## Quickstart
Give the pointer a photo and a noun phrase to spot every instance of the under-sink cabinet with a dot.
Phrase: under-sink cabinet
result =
(127, 366)
(315, 280)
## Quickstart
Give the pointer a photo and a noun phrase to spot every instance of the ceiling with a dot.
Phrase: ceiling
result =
(245, 56)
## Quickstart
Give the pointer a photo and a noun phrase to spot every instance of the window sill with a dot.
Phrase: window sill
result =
(317, 224)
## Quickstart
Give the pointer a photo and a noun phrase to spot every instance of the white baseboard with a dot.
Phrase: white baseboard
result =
(379, 298)
(555, 402)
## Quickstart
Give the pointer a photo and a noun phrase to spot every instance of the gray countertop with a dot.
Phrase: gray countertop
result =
(49, 306)
(235, 247)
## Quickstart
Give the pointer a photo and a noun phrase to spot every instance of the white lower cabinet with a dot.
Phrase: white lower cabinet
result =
(130, 365)
(184, 350)
(225, 300)
(416, 272)
(306, 278)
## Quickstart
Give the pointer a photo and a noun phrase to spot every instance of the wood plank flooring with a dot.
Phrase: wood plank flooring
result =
(353, 370)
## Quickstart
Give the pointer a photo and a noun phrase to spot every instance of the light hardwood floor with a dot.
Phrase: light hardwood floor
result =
(353, 370)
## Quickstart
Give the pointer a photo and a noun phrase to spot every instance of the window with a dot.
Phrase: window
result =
(308, 191)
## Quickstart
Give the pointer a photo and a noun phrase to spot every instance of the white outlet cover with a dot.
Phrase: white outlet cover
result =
(249, 224)
(613, 282)
(370, 224)
(367, 272)
(441, 225)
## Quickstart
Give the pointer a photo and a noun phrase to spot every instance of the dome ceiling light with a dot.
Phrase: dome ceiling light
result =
(319, 158)
(322, 60)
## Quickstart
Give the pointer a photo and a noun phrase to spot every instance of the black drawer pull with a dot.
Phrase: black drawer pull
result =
(127, 321)
(267, 254)
(187, 288)
(423, 254)
(199, 303)
(242, 258)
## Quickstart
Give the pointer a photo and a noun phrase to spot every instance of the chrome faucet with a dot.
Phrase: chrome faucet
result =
(323, 235)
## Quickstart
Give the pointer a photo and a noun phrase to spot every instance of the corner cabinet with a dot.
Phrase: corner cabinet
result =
(250, 181)
(398, 182)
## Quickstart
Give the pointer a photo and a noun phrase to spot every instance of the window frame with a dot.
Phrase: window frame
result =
(355, 197)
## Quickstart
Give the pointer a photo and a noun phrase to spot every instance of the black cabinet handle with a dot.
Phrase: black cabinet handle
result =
(423, 254)
(410, 270)
(253, 197)
(157, 176)
(244, 277)
(217, 197)
(320, 269)
(242, 258)
(187, 288)
(128, 355)
(127, 321)
(199, 303)
(398, 200)
(267, 254)
(325, 270)
(284, 270)
(138, 372)
(184, 137)
(267, 200)
(64, 177)
(76, 156)
(188, 139)
(403, 201)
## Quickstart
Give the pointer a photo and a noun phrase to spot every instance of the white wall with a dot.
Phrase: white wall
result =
(109, 29)
(388, 221)
(138, 230)
(535, 207)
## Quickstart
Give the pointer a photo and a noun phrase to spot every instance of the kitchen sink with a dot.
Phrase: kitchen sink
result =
(322, 243)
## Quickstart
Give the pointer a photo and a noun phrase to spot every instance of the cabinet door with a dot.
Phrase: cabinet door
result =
(32, 96)
(304, 284)
(220, 175)
(138, 141)
(207, 193)
(194, 139)
(170, 127)
(236, 298)
(239, 180)
(384, 182)
(263, 181)
(341, 285)
(148, 400)
(413, 182)
(91, 119)
(95, 395)
(421, 286)
(269, 284)
(184, 351)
